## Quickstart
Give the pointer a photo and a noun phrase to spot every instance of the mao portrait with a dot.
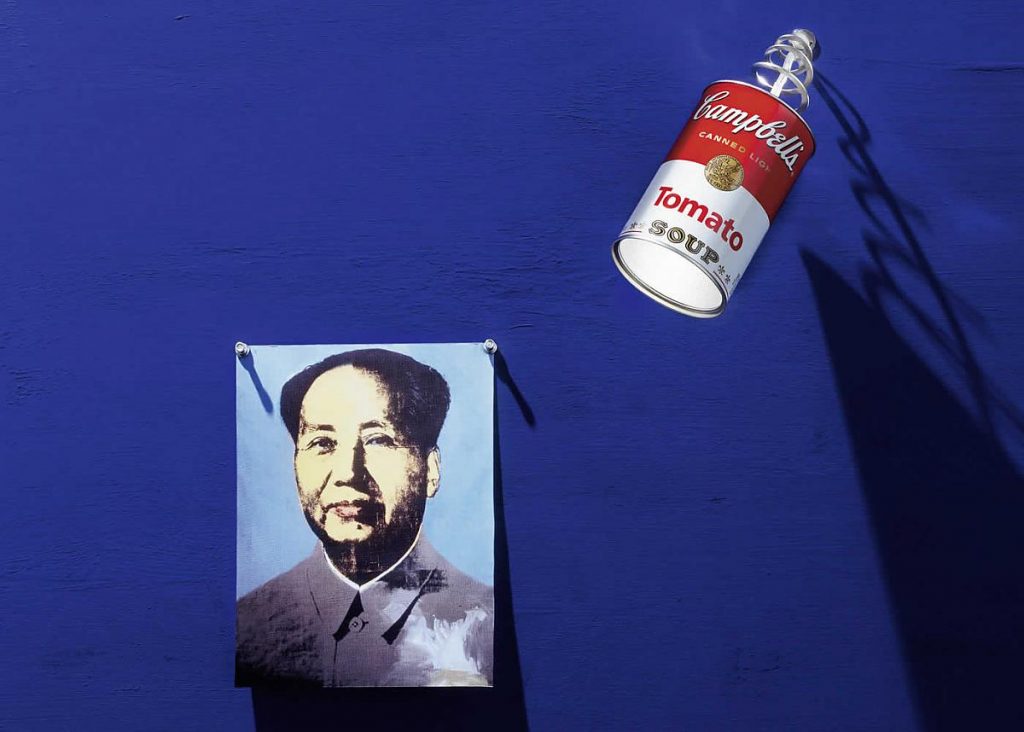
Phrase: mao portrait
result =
(374, 600)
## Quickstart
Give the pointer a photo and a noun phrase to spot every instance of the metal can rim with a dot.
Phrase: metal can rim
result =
(660, 297)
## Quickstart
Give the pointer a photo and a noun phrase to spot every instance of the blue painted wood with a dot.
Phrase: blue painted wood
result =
(767, 521)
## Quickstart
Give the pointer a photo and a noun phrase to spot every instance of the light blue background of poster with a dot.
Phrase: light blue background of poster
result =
(273, 536)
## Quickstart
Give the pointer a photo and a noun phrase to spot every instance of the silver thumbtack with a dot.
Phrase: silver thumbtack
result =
(241, 349)
(490, 346)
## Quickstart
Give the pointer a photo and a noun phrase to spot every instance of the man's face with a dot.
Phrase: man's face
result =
(357, 476)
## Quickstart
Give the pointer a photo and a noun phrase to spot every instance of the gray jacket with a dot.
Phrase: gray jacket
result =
(424, 623)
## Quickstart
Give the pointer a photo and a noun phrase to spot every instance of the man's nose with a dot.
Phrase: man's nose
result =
(350, 467)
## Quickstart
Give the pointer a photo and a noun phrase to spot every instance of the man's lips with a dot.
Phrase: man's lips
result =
(347, 510)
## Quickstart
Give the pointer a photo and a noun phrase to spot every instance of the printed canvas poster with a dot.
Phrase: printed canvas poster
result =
(365, 549)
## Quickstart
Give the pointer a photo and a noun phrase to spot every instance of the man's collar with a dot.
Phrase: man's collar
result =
(366, 585)
(333, 594)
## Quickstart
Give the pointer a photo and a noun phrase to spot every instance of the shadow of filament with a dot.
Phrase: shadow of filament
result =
(945, 501)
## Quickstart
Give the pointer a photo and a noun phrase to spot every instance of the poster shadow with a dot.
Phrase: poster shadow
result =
(502, 707)
(501, 370)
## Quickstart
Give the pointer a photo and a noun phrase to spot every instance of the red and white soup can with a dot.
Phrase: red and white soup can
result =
(698, 224)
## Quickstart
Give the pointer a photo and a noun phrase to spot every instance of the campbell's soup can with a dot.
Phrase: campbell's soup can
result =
(696, 228)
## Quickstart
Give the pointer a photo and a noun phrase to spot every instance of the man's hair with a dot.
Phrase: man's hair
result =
(419, 395)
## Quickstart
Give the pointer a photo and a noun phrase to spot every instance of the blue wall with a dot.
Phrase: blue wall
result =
(803, 515)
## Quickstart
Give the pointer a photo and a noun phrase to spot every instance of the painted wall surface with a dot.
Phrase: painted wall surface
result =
(804, 515)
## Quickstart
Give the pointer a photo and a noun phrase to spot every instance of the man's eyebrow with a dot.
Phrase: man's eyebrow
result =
(307, 427)
(310, 427)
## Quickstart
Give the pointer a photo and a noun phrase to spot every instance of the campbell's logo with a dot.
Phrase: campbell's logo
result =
(787, 147)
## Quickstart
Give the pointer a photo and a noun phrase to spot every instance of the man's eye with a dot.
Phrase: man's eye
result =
(378, 441)
(322, 444)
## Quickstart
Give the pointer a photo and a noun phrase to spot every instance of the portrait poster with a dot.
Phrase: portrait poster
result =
(365, 533)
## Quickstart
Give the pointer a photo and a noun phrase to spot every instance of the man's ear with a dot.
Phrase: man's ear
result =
(433, 472)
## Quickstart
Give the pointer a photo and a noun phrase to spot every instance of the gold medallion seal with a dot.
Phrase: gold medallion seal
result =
(724, 172)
